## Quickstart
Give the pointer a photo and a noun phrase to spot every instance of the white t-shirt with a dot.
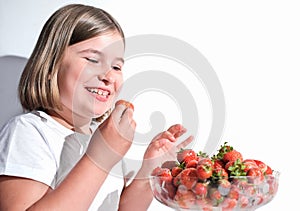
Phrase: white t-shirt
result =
(35, 146)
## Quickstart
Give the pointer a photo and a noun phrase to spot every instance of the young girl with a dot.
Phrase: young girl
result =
(58, 155)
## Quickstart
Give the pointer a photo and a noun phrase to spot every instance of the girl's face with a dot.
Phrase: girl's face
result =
(91, 74)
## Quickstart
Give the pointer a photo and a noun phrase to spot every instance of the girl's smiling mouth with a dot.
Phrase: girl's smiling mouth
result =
(101, 94)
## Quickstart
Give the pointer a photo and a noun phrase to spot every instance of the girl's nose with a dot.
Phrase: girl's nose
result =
(106, 77)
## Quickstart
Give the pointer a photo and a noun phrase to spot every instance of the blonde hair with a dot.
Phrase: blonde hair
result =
(38, 86)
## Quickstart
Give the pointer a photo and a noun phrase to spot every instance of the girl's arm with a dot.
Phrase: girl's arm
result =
(138, 195)
(76, 192)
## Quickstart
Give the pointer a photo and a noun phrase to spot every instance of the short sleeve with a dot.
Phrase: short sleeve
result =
(25, 151)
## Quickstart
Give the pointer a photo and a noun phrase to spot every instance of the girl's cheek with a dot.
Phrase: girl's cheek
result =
(119, 83)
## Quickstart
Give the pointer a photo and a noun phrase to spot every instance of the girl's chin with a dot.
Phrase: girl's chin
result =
(102, 115)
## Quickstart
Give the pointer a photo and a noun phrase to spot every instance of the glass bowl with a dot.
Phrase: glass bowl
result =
(244, 193)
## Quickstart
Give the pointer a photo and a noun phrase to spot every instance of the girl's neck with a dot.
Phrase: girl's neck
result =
(70, 122)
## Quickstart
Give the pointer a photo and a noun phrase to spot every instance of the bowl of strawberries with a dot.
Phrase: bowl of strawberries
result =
(225, 181)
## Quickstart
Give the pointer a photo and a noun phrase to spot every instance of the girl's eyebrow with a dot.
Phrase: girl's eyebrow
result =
(90, 50)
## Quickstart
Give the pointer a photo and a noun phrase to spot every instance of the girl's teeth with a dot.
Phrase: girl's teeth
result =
(99, 92)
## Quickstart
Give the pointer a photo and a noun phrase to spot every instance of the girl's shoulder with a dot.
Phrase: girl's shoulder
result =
(37, 120)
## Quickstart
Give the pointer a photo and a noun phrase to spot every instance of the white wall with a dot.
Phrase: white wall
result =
(252, 45)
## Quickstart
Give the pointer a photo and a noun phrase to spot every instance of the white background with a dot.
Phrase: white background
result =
(253, 46)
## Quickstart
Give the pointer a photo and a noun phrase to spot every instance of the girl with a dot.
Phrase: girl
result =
(58, 155)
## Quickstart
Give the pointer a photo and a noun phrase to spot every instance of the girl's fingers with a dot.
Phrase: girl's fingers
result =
(164, 135)
(125, 103)
(121, 107)
(177, 130)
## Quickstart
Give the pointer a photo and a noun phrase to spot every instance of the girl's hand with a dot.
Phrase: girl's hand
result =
(164, 147)
(113, 137)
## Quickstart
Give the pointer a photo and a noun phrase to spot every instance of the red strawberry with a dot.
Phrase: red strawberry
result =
(185, 199)
(228, 204)
(163, 173)
(255, 175)
(176, 180)
(169, 164)
(219, 173)
(244, 201)
(206, 162)
(188, 177)
(215, 196)
(204, 203)
(175, 171)
(191, 164)
(185, 155)
(170, 190)
(249, 163)
(218, 164)
(263, 167)
(234, 192)
(204, 171)
(269, 171)
(200, 189)
(232, 156)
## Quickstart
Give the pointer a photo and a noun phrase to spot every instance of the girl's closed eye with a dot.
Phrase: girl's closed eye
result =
(93, 60)
(117, 68)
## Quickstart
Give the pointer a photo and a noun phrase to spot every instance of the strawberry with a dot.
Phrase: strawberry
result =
(175, 170)
(244, 201)
(185, 155)
(249, 163)
(188, 177)
(163, 173)
(200, 189)
(255, 175)
(204, 171)
(215, 196)
(218, 163)
(263, 167)
(170, 190)
(206, 161)
(234, 192)
(185, 199)
(219, 173)
(228, 204)
(269, 171)
(169, 164)
(232, 156)
(176, 180)
(191, 164)
(204, 203)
